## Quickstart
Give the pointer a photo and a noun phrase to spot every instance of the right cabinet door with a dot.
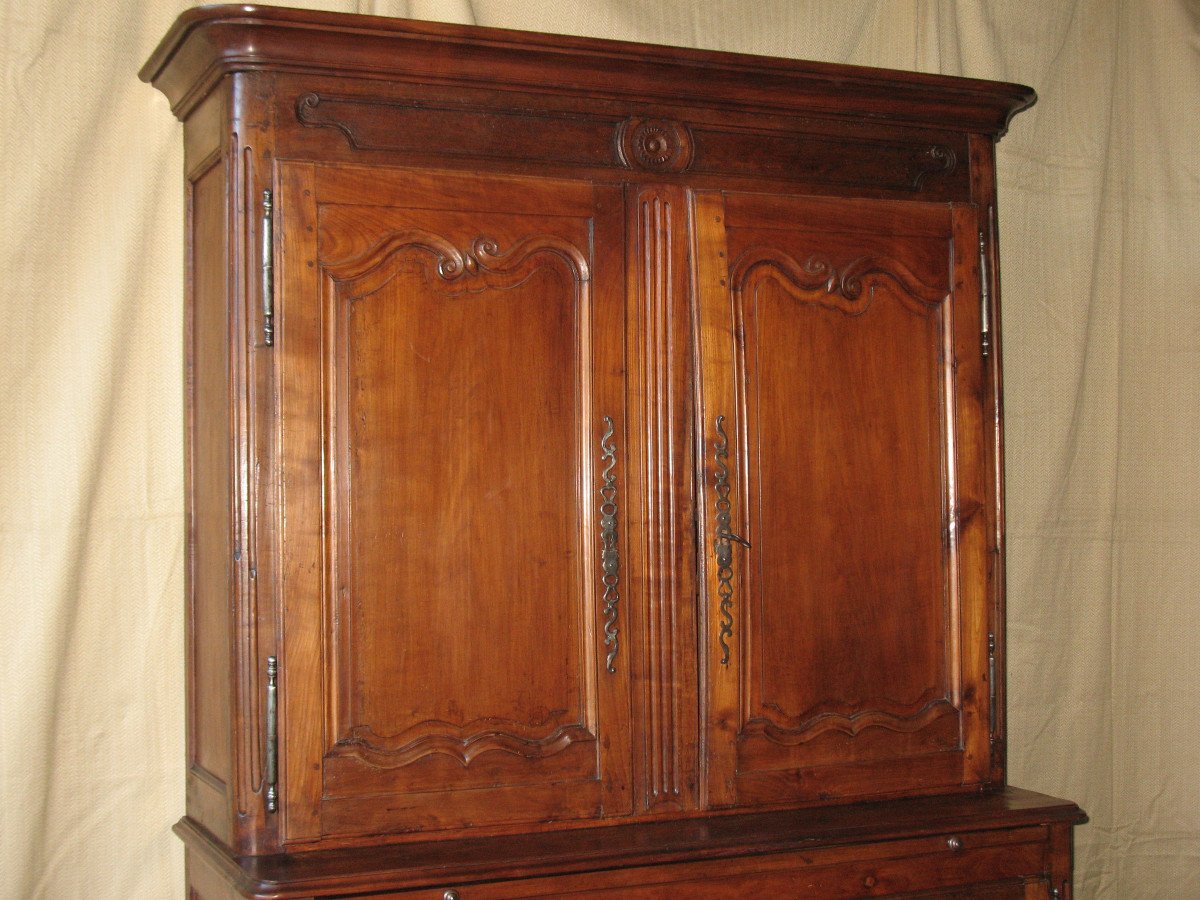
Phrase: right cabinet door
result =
(846, 498)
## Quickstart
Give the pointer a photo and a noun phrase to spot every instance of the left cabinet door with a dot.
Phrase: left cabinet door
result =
(451, 391)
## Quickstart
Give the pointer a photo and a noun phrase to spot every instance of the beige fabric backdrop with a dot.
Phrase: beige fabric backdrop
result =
(1101, 256)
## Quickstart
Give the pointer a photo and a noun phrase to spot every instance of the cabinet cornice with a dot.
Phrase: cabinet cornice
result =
(207, 43)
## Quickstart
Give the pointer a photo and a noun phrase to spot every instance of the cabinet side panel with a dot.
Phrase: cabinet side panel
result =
(204, 882)
(209, 595)
(983, 191)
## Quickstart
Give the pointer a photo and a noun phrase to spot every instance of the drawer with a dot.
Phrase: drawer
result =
(1008, 863)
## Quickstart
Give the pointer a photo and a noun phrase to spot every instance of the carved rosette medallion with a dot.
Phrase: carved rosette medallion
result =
(656, 145)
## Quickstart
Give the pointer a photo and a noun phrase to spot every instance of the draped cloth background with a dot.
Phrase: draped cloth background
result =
(1100, 247)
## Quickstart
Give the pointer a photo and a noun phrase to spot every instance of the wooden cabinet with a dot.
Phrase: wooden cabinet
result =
(593, 461)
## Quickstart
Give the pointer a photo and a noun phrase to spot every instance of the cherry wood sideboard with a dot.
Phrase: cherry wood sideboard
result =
(593, 470)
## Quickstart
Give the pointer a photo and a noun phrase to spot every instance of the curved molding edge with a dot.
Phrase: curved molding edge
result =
(850, 288)
(853, 724)
(462, 743)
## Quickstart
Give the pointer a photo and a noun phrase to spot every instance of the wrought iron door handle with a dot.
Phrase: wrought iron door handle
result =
(723, 538)
(730, 536)
(610, 557)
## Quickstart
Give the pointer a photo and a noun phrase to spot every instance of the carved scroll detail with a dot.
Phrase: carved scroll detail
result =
(937, 160)
(373, 269)
(902, 718)
(306, 106)
(486, 254)
(460, 742)
(849, 289)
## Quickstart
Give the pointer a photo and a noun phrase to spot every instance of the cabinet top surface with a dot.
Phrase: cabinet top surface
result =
(435, 862)
(207, 43)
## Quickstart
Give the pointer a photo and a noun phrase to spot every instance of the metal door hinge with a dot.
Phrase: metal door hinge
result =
(985, 298)
(272, 767)
(268, 273)
(992, 685)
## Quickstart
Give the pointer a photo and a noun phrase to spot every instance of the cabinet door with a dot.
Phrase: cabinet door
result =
(450, 352)
(845, 649)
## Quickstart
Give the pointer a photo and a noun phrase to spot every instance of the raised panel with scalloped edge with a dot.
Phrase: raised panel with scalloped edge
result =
(452, 353)
(847, 662)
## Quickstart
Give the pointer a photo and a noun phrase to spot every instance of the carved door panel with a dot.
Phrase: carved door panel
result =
(841, 372)
(452, 398)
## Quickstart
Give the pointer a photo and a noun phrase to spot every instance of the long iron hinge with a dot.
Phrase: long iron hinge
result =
(985, 298)
(268, 272)
(272, 767)
(992, 685)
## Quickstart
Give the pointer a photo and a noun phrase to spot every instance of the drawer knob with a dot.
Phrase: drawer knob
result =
(450, 895)
(954, 843)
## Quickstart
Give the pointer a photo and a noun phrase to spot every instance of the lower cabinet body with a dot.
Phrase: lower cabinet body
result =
(935, 847)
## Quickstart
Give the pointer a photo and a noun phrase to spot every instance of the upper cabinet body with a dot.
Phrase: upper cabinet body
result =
(585, 434)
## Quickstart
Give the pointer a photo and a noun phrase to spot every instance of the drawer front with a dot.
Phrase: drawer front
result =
(992, 864)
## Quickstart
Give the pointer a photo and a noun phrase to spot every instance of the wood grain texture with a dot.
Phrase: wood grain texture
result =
(983, 186)
(458, 394)
(659, 376)
(205, 881)
(834, 834)
(207, 43)
(720, 650)
(537, 133)
(210, 511)
(621, 494)
(855, 478)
